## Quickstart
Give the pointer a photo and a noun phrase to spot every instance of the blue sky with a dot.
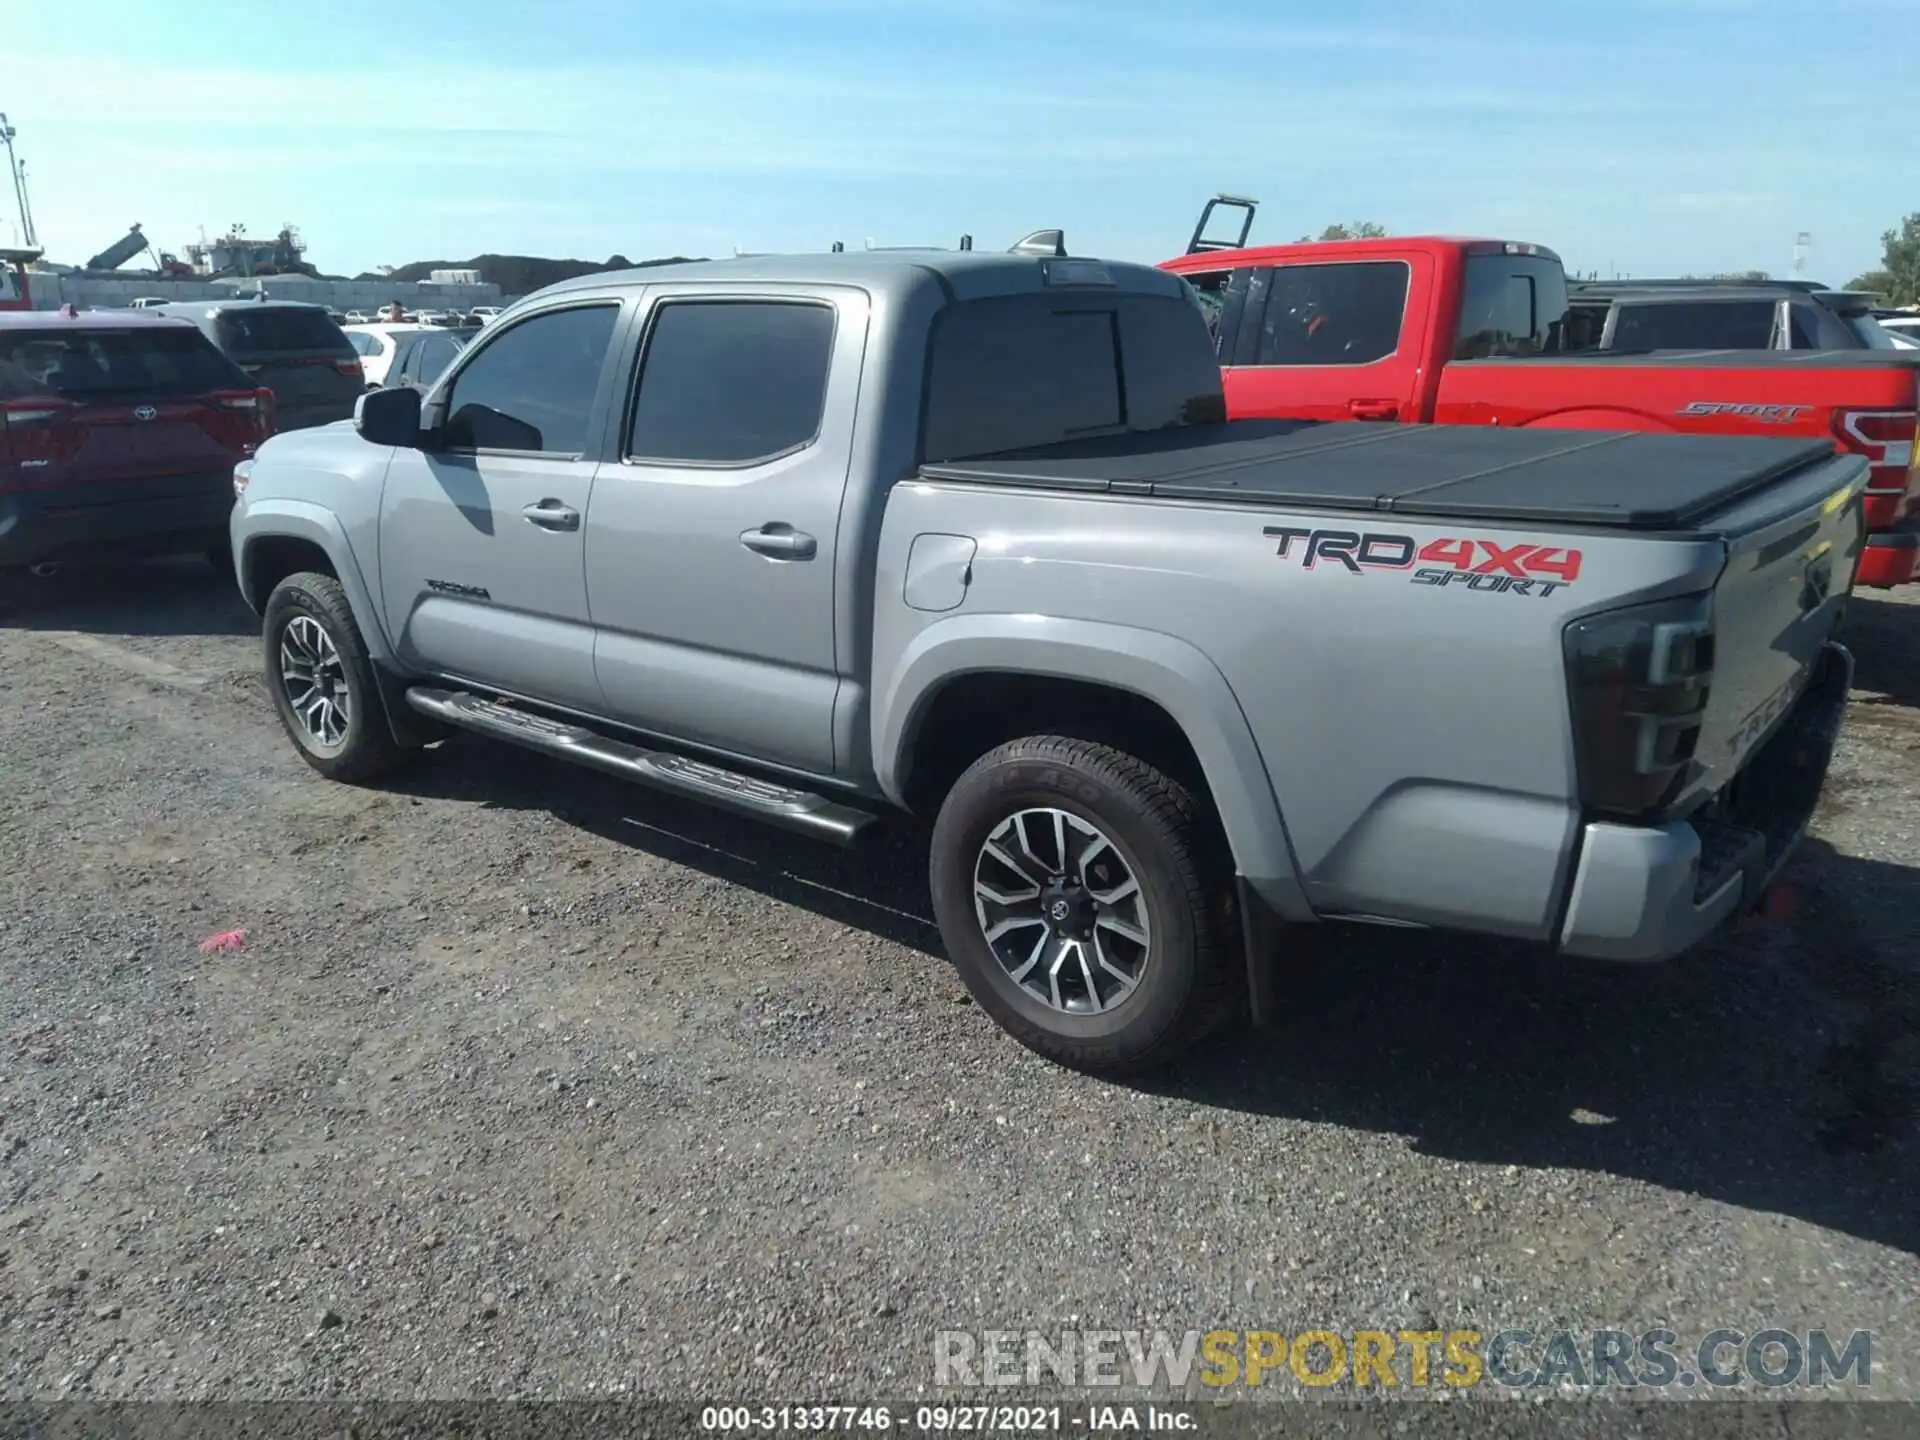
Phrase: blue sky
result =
(1648, 136)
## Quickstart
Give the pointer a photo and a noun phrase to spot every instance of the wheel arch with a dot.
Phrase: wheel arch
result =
(1162, 684)
(281, 537)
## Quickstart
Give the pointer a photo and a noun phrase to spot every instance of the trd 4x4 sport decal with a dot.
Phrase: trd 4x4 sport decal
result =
(1487, 565)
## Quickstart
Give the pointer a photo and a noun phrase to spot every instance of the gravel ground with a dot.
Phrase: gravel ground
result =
(525, 1083)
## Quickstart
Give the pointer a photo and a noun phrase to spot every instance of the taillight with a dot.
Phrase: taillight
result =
(1885, 437)
(351, 369)
(19, 414)
(256, 404)
(1638, 680)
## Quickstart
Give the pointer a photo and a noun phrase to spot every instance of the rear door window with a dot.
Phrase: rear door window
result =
(164, 361)
(432, 359)
(1699, 325)
(1339, 314)
(731, 382)
(531, 388)
(279, 330)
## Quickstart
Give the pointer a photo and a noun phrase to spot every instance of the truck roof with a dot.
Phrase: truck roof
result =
(86, 320)
(1356, 249)
(962, 274)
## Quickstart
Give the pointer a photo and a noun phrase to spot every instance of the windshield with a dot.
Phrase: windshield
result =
(1512, 305)
(82, 363)
(279, 329)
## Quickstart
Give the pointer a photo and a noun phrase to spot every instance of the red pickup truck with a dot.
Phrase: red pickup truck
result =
(1474, 332)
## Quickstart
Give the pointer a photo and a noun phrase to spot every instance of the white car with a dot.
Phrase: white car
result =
(487, 313)
(1907, 326)
(375, 344)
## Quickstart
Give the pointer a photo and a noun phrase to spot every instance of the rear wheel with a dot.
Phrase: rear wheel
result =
(1080, 894)
(322, 683)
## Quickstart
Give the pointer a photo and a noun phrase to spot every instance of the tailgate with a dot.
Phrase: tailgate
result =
(100, 452)
(308, 389)
(1791, 557)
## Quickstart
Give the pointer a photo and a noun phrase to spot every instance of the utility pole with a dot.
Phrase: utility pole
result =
(19, 178)
(1802, 243)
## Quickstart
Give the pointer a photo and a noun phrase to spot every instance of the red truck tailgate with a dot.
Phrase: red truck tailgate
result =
(1863, 403)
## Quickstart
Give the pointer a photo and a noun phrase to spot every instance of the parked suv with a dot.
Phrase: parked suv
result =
(293, 349)
(1720, 315)
(119, 431)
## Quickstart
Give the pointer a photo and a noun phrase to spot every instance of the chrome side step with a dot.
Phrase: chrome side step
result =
(800, 810)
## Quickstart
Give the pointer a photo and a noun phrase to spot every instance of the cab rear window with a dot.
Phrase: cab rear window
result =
(1016, 372)
(1516, 305)
(161, 361)
(280, 330)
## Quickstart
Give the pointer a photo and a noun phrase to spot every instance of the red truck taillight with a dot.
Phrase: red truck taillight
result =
(1638, 680)
(1886, 438)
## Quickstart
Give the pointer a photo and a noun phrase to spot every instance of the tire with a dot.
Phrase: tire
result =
(1185, 976)
(364, 747)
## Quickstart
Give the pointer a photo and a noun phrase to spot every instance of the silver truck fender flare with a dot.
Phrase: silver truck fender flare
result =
(276, 519)
(1170, 672)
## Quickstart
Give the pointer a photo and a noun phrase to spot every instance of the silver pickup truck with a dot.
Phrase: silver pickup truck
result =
(967, 535)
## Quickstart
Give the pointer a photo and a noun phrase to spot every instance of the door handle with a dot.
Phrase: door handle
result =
(780, 541)
(1373, 409)
(552, 515)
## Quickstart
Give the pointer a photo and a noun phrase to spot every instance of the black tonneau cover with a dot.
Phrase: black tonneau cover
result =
(1574, 477)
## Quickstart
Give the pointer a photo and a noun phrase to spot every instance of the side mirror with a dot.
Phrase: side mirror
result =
(389, 417)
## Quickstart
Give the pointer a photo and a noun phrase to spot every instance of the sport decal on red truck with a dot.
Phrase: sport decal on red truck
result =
(1765, 414)
(1487, 565)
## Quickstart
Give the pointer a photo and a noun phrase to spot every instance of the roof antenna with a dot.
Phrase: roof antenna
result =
(1042, 242)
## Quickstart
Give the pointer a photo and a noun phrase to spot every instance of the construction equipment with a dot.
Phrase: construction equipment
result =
(121, 251)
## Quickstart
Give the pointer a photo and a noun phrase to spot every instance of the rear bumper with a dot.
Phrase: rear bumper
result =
(1891, 557)
(75, 524)
(1652, 892)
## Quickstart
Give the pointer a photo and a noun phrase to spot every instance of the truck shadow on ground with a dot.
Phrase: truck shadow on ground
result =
(178, 596)
(1776, 1070)
(1884, 636)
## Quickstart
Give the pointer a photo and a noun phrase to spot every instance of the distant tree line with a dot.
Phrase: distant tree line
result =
(1358, 230)
(1897, 281)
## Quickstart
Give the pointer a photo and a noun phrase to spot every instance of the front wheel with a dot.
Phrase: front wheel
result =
(322, 682)
(1078, 891)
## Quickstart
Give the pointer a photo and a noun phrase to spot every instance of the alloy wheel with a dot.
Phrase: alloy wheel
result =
(315, 680)
(1062, 911)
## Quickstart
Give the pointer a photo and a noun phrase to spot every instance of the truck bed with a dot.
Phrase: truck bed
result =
(1627, 481)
